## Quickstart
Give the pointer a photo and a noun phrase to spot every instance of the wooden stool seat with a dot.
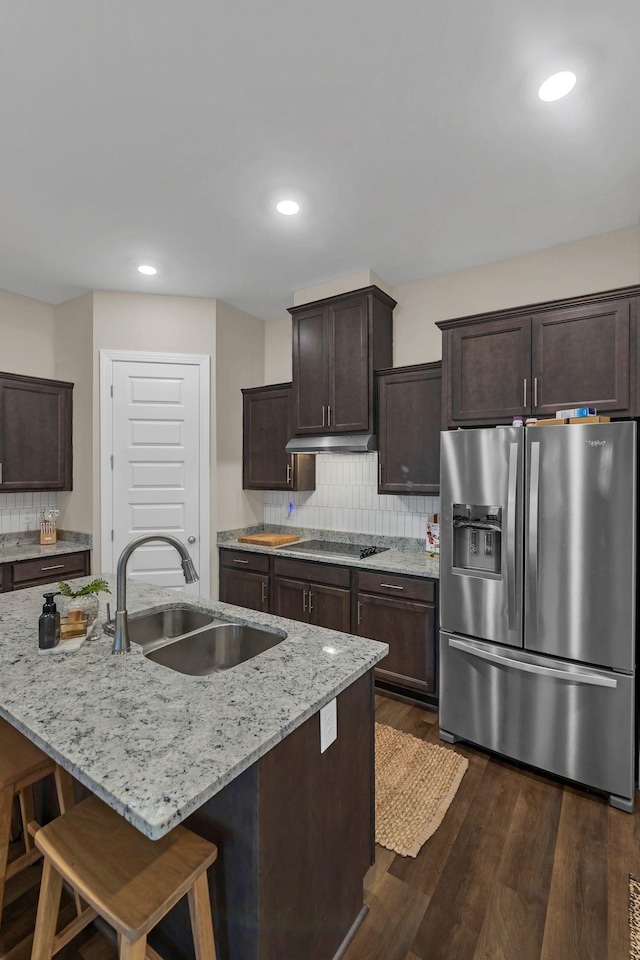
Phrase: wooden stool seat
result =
(21, 765)
(127, 879)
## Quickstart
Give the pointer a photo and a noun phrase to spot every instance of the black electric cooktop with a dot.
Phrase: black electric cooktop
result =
(355, 551)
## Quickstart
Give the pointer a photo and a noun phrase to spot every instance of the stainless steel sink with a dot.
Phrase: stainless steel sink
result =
(213, 649)
(153, 629)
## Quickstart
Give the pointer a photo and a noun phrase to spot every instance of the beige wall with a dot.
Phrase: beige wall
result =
(162, 324)
(332, 288)
(277, 350)
(74, 362)
(27, 336)
(240, 342)
(586, 266)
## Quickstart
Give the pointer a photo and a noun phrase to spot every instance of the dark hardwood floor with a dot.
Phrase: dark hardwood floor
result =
(522, 868)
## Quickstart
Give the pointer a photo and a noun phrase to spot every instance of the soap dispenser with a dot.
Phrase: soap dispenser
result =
(49, 623)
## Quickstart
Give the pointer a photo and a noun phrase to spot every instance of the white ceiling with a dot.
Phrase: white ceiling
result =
(410, 131)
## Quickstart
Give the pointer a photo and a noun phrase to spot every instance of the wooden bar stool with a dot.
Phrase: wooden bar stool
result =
(21, 765)
(127, 879)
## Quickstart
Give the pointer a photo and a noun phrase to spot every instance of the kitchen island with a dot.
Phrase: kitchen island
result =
(236, 755)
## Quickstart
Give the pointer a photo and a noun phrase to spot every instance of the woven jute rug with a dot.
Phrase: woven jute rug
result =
(415, 783)
(634, 917)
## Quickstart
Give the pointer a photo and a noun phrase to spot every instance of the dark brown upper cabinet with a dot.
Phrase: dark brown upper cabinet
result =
(338, 344)
(535, 360)
(490, 365)
(267, 428)
(35, 434)
(409, 420)
(581, 357)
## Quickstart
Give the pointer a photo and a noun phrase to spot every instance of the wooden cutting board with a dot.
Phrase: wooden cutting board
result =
(269, 539)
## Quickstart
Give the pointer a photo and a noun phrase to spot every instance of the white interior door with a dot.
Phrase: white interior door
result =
(157, 468)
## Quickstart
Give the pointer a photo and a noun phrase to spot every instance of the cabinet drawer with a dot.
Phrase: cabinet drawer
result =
(50, 569)
(312, 571)
(391, 585)
(244, 560)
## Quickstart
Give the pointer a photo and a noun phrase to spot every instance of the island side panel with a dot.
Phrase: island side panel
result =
(316, 832)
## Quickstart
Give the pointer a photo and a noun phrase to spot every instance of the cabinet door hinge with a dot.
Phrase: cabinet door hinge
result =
(111, 389)
(111, 459)
(112, 534)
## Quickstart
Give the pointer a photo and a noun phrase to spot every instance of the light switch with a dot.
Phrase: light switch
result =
(328, 725)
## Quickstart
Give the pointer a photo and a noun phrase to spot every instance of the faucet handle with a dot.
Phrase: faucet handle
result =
(109, 627)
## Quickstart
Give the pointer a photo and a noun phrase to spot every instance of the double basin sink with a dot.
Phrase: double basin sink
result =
(197, 643)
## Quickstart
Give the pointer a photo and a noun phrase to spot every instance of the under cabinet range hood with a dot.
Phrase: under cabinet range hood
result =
(334, 443)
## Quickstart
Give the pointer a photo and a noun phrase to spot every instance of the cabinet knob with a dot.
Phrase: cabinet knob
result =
(191, 539)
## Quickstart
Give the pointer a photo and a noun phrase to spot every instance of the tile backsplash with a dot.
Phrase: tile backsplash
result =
(21, 511)
(346, 498)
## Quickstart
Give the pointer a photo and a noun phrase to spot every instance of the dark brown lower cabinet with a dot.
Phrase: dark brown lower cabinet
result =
(244, 579)
(406, 623)
(33, 573)
(395, 609)
(290, 598)
(295, 839)
(312, 593)
(245, 589)
(330, 607)
(316, 603)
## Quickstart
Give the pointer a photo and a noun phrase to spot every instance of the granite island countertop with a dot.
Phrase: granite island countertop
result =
(11, 552)
(410, 562)
(153, 743)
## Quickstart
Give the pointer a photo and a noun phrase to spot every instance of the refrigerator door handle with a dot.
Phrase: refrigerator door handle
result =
(511, 535)
(581, 676)
(534, 498)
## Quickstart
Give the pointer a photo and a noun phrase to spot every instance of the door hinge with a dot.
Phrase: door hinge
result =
(111, 389)
(111, 459)
(112, 534)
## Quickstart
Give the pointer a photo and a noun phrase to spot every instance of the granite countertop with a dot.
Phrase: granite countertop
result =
(35, 551)
(153, 743)
(412, 562)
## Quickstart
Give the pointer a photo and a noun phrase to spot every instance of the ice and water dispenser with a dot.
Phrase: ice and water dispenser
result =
(477, 535)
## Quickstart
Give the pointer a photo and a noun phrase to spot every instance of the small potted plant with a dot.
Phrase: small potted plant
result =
(79, 608)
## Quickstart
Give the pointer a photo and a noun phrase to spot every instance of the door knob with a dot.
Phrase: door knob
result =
(191, 539)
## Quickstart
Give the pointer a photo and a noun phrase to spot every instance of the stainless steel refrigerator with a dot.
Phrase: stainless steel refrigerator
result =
(537, 598)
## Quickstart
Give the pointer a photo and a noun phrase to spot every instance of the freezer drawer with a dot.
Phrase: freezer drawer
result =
(567, 719)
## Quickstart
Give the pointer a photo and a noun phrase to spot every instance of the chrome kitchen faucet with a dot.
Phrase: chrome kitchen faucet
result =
(120, 630)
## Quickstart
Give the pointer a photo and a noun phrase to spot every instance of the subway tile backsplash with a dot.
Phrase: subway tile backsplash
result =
(346, 498)
(21, 511)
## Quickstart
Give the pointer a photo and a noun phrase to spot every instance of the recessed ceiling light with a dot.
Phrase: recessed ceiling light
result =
(557, 86)
(288, 207)
(147, 269)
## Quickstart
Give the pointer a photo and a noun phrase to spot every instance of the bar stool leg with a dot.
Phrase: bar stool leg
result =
(133, 949)
(6, 809)
(47, 916)
(201, 922)
(28, 814)
(64, 789)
